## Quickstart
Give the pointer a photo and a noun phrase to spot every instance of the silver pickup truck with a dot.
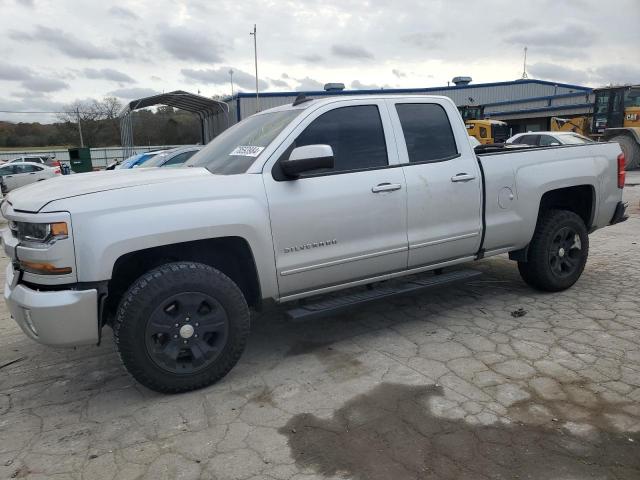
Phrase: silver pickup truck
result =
(294, 202)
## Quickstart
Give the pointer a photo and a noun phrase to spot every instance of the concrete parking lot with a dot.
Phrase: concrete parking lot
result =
(486, 380)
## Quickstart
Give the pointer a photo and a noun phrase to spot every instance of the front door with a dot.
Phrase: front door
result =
(444, 196)
(344, 224)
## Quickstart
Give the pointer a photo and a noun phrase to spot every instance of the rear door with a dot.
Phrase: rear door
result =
(444, 189)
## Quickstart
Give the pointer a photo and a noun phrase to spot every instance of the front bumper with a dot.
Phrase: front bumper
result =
(619, 215)
(57, 318)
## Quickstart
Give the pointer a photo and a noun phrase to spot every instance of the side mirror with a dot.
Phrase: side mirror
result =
(307, 158)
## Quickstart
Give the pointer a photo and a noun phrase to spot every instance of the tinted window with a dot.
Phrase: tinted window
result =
(354, 133)
(26, 168)
(427, 132)
(528, 139)
(546, 140)
(33, 159)
(179, 159)
(8, 170)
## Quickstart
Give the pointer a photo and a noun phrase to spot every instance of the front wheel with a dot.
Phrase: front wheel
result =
(557, 253)
(181, 326)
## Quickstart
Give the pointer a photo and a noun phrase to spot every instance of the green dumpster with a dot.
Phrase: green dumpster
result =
(80, 159)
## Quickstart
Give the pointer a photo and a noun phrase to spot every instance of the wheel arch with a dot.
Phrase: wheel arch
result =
(231, 255)
(580, 199)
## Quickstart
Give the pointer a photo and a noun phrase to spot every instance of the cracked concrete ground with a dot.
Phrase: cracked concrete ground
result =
(485, 380)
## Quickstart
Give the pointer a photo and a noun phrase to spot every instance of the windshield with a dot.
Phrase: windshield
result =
(575, 139)
(235, 149)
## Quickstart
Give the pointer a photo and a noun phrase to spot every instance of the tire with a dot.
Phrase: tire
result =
(557, 253)
(181, 326)
(631, 150)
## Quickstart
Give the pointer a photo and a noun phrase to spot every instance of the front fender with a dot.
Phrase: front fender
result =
(104, 234)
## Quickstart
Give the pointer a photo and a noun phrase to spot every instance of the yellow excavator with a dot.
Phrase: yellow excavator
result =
(615, 118)
(484, 130)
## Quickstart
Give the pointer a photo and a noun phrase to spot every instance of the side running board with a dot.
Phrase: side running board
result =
(336, 305)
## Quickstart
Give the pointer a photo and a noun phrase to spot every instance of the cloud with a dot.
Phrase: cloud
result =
(65, 43)
(424, 39)
(108, 74)
(279, 83)
(14, 72)
(307, 84)
(312, 58)
(186, 44)
(124, 13)
(351, 52)
(398, 73)
(617, 74)
(563, 36)
(26, 3)
(220, 76)
(130, 93)
(41, 84)
(358, 85)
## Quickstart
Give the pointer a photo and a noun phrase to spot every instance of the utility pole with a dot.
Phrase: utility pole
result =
(79, 126)
(524, 65)
(231, 75)
(255, 57)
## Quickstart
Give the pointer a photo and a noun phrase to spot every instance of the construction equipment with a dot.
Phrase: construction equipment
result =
(615, 118)
(579, 125)
(484, 130)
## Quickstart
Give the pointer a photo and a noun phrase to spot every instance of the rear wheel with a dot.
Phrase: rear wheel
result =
(631, 150)
(557, 253)
(181, 326)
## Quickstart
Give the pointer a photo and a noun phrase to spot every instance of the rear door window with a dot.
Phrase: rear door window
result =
(529, 139)
(427, 132)
(546, 140)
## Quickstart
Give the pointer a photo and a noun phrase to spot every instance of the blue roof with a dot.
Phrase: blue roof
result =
(409, 90)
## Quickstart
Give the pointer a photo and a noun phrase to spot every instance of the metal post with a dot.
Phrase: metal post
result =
(79, 126)
(255, 56)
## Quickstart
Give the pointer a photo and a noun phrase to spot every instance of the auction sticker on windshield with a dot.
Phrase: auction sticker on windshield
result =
(247, 151)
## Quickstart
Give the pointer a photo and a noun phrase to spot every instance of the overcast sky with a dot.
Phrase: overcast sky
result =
(54, 52)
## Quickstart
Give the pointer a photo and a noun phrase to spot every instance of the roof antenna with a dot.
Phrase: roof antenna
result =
(524, 65)
(301, 98)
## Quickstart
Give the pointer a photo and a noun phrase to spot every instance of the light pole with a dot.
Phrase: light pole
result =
(231, 75)
(255, 57)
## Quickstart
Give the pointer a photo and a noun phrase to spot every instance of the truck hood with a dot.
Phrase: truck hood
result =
(34, 197)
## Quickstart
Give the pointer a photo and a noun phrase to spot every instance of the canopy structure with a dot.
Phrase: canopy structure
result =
(213, 114)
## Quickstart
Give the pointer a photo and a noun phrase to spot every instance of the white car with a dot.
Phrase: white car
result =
(18, 174)
(548, 139)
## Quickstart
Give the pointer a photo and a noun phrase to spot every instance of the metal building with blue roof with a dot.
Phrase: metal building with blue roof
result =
(526, 104)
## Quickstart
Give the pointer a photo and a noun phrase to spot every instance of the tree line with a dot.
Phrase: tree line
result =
(101, 127)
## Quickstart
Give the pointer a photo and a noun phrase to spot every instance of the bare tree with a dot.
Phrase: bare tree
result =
(86, 115)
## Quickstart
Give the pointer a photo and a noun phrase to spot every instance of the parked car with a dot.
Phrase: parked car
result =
(175, 157)
(138, 159)
(546, 139)
(18, 174)
(40, 159)
(294, 202)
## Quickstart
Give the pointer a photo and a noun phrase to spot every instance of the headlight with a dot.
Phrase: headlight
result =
(39, 232)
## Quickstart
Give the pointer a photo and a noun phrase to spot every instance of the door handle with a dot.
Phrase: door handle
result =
(386, 187)
(32, 173)
(462, 177)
